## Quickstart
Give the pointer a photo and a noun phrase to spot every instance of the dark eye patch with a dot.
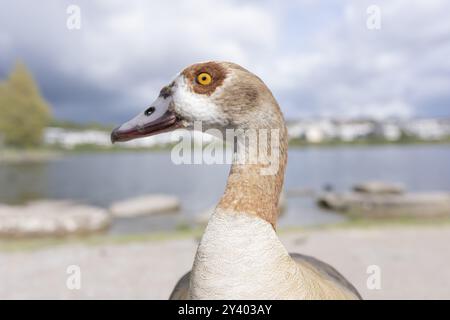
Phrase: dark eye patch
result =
(214, 69)
(166, 92)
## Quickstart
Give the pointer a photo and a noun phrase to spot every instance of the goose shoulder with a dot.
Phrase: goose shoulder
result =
(326, 271)
(181, 290)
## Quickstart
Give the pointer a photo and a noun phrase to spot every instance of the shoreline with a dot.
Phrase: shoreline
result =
(18, 155)
(8, 156)
(10, 245)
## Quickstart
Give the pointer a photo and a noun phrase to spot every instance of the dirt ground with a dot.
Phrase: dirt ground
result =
(414, 264)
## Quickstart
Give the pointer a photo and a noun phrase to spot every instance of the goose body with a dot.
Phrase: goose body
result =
(240, 255)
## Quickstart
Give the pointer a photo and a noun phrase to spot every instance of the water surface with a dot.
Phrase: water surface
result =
(102, 178)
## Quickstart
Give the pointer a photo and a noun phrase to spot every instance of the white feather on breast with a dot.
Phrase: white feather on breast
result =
(241, 257)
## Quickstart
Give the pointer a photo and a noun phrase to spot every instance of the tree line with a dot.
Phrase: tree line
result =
(24, 113)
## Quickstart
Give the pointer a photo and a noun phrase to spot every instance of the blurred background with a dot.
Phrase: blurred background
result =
(364, 88)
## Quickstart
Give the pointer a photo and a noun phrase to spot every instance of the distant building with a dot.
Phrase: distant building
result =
(71, 138)
(388, 131)
(316, 131)
(314, 134)
(354, 130)
(428, 129)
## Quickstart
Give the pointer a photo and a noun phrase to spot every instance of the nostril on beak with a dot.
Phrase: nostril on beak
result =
(149, 111)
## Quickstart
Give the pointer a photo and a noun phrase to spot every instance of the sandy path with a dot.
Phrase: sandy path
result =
(414, 262)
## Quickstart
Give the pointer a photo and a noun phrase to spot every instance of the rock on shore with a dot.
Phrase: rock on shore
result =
(418, 205)
(145, 205)
(51, 218)
(379, 187)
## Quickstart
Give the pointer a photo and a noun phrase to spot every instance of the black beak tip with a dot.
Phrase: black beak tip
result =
(114, 135)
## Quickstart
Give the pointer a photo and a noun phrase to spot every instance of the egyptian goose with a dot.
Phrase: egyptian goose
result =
(239, 255)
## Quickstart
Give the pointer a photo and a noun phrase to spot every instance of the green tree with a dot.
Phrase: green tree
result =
(24, 113)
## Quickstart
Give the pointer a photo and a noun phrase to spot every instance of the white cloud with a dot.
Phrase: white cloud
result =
(350, 70)
(318, 58)
(163, 37)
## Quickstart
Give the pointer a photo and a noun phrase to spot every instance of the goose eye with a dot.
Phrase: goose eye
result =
(204, 78)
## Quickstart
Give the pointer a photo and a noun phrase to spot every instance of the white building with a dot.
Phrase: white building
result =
(354, 130)
(71, 138)
(428, 129)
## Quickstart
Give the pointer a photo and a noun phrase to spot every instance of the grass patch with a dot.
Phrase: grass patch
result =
(361, 223)
(42, 153)
(31, 244)
(183, 232)
(367, 142)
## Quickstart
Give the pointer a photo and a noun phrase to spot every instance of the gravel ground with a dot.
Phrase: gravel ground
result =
(413, 262)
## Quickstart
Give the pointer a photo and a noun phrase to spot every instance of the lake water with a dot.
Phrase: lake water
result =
(102, 178)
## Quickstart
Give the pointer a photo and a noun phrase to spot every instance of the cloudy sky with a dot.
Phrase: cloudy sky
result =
(318, 57)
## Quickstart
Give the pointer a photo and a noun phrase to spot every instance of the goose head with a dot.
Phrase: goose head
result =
(222, 95)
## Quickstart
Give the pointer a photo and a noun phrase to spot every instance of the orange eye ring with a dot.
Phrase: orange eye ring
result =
(204, 79)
